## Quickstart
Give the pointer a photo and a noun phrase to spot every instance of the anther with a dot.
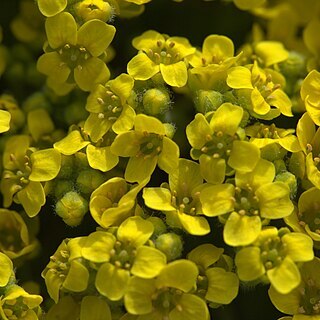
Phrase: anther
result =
(100, 101)
(220, 145)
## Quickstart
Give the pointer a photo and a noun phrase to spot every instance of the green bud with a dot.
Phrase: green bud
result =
(156, 101)
(61, 187)
(170, 244)
(297, 164)
(289, 179)
(81, 161)
(294, 66)
(170, 129)
(283, 231)
(88, 180)
(67, 165)
(72, 208)
(159, 226)
(280, 166)
(272, 152)
(208, 100)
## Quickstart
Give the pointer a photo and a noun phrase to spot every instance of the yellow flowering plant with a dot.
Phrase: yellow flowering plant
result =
(159, 160)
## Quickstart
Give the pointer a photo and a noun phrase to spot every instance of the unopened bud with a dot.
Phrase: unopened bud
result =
(208, 100)
(88, 180)
(159, 226)
(156, 101)
(72, 208)
(290, 180)
(170, 244)
(94, 9)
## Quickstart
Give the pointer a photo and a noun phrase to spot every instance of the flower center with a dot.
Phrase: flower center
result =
(150, 145)
(273, 252)
(165, 299)
(219, 145)
(311, 218)
(15, 308)
(246, 202)
(122, 255)
(184, 202)
(164, 53)
(111, 107)
(19, 171)
(73, 56)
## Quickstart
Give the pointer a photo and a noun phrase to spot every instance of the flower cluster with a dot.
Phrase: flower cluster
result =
(173, 213)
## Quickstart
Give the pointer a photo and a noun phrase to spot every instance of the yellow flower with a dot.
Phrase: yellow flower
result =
(263, 135)
(66, 270)
(99, 154)
(262, 89)
(15, 239)
(18, 304)
(310, 89)
(160, 53)
(302, 303)
(6, 270)
(147, 145)
(109, 108)
(74, 55)
(309, 141)
(307, 218)
(24, 171)
(255, 199)
(311, 40)
(168, 296)
(122, 255)
(217, 54)
(94, 9)
(180, 199)
(5, 118)
(216, 142)
(275, 254)
(114, 201)
(216, 284)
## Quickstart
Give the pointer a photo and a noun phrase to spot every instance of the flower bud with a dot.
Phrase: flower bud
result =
(208, 100)
(72, 208)
(272, 152)
(94, 9)
(61, 187)
(88, 180)
(159, 226)
(294, 66)
(170, 129)
(289, 179)
(67, 165)
(170, 244)
(156, 101)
